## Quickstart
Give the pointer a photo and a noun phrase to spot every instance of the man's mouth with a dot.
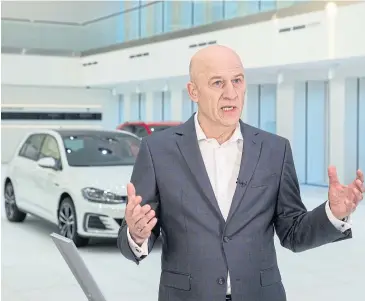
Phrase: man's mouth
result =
(228, 108)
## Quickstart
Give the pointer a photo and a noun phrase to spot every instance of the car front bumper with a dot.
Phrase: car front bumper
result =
(100, 220)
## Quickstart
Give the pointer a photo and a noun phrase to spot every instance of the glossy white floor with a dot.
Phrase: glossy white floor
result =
(32, 268)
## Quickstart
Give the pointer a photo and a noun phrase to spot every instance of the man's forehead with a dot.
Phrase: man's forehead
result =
(222, 72)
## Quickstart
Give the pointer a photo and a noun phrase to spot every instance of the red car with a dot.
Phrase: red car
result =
(142, 129)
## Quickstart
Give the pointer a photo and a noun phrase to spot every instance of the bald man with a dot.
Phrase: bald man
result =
(217, 189)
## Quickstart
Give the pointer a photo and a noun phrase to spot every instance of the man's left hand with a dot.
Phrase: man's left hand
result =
(343, 199)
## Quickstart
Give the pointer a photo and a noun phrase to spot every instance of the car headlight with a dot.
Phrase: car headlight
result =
(102, 196)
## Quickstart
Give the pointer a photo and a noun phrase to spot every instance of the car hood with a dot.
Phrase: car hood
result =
(111, 178)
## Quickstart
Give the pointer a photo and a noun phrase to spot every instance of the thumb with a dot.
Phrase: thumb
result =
(131, 191)
(332, 175)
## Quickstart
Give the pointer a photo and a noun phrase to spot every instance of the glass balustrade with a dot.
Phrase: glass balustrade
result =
(137, 20)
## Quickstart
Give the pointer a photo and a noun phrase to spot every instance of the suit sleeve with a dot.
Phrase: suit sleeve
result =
(298, 229)
(144, 180)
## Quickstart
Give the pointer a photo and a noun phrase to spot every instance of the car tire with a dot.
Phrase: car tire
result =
(67, 223)
(13, 214)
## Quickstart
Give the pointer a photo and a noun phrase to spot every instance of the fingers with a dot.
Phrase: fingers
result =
(131, 191)
(332, 175)
(133, 202)
(359, 186)
(360, 176)
(141, 224)
(357, 190)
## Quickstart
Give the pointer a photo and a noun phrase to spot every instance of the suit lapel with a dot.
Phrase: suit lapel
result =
(250, 157)
(189, 148)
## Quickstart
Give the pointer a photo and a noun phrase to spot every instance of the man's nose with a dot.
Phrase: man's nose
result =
(229, 91)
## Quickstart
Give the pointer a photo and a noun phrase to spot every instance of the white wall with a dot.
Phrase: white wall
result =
(325, 36)
(23, 98)
(37, 70)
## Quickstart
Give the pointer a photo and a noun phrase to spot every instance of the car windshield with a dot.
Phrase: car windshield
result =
(101, 149)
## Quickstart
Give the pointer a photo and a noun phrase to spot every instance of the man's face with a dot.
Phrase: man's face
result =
(220, 91)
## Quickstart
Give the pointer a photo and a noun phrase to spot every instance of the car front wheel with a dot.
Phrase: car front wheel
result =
(67, 223)
(12, 211)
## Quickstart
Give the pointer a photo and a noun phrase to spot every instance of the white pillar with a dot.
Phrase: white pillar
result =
(149, 106)
(336, 124)
(176, 104)
(244, 116)
(285, 110)
(127, 107)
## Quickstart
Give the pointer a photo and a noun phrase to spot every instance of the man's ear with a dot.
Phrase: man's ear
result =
(193, 92)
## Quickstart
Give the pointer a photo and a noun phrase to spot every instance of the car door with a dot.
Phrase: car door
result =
(48, 178)
(23, 171)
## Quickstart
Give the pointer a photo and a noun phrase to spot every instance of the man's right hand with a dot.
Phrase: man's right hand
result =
(140, 219)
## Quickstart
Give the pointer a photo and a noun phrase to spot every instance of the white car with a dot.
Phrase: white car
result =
(75, 179)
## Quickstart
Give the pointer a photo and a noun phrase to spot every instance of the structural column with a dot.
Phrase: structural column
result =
(285, 95)
(337, 125)
(127, 106)
(149, 105)
(176, 104)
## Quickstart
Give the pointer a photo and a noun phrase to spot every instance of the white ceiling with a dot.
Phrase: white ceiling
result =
(59, 11)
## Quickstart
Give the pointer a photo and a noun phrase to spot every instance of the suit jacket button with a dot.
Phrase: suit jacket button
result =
(226, 239)
(221, 281)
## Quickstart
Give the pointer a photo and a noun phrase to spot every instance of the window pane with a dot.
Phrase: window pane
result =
(317, 133)
(240, 8)
(131, 21)
(186, 105)
(157, 106)
(252, 106)
(299, 138)
(266, 5)
(142, 107)
(177, 15)
(121, 116)
(351, 107)
(206, 12)
(138, 107)
(166, 110)
(151, 20)
(361, 128)
(268, 108)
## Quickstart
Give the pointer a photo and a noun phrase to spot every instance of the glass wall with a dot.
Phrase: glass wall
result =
(137, 19)
(267, 108)
(261, 106)
(300, 131)
(354, 127)
(188, 106)
(121, 116)
(162, 106)
(317, 132)
(138, 107)
(311, 132)
(361, 125)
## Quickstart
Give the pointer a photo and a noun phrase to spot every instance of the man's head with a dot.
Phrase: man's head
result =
(218, 85)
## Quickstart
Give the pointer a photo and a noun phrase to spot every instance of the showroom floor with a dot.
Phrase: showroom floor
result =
(32, 268)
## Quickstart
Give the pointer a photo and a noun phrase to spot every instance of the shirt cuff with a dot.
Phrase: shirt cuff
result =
(341, 225)
(138, 251)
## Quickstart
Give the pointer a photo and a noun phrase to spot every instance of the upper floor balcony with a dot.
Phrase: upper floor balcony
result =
(135, 21)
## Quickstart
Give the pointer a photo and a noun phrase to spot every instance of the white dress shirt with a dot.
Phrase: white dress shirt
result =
(222, 162)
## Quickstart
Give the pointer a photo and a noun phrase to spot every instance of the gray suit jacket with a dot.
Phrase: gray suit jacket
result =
(199, 246)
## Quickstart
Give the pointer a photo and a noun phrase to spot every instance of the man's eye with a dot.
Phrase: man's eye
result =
(218, 83)
(237, 81)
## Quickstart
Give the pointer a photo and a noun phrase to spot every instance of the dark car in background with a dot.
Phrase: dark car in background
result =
(142, 129)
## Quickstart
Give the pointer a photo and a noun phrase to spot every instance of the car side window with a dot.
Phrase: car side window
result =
(129, 128)
(31, 147)
(141, 131)
(50, 148)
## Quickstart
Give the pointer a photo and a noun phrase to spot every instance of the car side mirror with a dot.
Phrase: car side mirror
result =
(47, 162)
